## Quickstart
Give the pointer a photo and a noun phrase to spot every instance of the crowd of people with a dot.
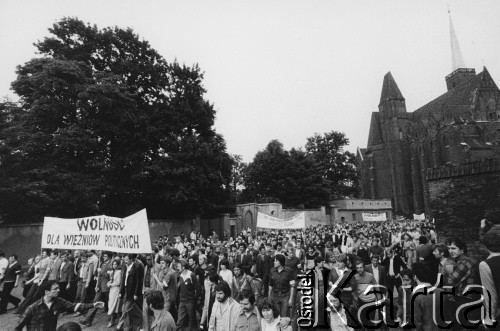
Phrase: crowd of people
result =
(250, 282)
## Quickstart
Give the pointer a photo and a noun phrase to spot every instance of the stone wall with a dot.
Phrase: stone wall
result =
(461, 195)
(313, 217)
(247, 215)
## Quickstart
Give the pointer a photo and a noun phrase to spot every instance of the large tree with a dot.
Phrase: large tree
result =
(290, 177)
(338, 166)
(297, 178)
(105, 125)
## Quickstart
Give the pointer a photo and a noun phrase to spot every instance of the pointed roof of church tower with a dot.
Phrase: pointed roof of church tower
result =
(457, 59)
(390, 90)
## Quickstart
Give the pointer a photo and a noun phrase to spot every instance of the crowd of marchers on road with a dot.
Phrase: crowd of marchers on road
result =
(250, 282)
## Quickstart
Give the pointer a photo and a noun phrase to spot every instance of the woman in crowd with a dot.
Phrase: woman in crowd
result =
(330, 262)
(225, 272)
(409, 248)
(270, 316)
(114, 292)
(404, 297)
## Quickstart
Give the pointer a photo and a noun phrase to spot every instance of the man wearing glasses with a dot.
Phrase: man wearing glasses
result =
(43, 314)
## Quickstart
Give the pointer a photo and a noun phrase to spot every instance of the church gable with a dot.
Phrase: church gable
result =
(486, 81)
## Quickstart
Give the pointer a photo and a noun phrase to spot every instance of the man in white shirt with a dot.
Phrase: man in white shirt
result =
(179, 245)
(378, 272)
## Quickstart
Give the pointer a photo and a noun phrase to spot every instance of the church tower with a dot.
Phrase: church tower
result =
(394, 118)
(460, 73)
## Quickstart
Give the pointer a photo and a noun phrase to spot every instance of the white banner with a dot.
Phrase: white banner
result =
(420, 217)
(374, 217)
(295, 222)
(122, 235)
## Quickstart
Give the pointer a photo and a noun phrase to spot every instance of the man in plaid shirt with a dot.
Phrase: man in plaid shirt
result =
(465, 272)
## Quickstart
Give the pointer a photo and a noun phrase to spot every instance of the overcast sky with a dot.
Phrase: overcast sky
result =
(284, 69)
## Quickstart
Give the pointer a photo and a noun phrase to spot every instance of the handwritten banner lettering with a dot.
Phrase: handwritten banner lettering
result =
(420, 217)
(122, 235)
(374, 217)
(268, 222)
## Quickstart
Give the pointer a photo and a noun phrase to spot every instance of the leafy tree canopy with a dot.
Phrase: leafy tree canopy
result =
(106, 125)
(297, 178)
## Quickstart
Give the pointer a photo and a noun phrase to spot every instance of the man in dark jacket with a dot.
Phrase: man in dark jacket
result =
(243, 258)
(131, 293)
(263, 267)
(393, 265)
(189, 292)
(66, 276)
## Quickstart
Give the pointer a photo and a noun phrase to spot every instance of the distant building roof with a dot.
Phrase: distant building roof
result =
(460, 96)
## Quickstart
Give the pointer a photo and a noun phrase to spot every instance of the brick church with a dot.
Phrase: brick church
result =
(451, 143)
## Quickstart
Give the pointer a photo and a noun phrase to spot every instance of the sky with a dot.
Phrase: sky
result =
(284, 69)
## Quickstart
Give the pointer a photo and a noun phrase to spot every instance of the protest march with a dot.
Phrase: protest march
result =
(375, 273)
